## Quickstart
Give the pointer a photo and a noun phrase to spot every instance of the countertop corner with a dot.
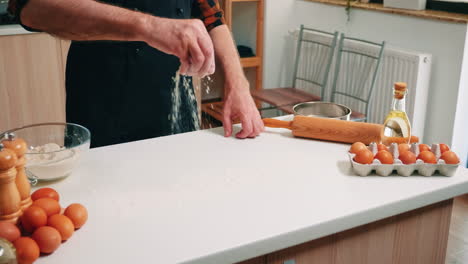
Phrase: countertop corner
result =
(14, 29)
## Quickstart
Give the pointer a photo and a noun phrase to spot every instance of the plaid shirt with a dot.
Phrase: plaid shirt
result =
(208, 11)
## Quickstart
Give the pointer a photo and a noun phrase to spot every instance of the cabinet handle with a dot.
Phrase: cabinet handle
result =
(291, 261)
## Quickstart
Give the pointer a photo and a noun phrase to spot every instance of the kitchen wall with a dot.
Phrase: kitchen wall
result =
(446, 121)
(244, 18)
(279, 44)
(460, 130)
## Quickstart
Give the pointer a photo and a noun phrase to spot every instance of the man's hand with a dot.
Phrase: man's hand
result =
(92, 20)
(238, 104)
(185, 38)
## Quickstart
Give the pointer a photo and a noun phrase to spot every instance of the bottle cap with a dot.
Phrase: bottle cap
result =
(400, 86)
(400, 90)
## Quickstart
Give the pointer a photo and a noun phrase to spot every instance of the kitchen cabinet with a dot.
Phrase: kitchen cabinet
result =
(32, 79)
(258, 260)
(418, 236)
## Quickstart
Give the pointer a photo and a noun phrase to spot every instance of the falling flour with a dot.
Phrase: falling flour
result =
(207, 82)
(175, 117)
(193, 102)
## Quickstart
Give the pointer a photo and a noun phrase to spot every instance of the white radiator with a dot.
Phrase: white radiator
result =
(397, 65)
(414, 68)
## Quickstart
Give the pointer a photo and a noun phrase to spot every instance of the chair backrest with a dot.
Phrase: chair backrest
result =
(314, 56)
(357, 64)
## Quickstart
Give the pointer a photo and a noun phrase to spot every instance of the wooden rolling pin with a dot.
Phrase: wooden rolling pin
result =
(332, 129)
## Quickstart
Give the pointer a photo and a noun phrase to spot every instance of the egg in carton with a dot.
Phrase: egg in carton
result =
(422, 168)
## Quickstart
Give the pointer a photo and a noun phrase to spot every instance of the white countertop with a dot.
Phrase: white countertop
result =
(202, 198)
(6, 30)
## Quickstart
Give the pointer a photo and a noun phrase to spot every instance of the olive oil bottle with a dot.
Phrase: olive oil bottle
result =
(396, 126)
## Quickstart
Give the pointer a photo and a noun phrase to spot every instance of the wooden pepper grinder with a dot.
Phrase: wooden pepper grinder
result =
(10, 200)
(19, 146)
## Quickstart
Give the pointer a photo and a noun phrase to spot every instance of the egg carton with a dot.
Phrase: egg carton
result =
(424, 169)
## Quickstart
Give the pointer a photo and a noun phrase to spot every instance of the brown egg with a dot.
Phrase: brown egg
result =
(427, 157)
(444, 148)
(49, 205)
(385, 157)
(381, 146)
(450, 157)
(9, 231)
(403, 147)
(27, 250)
(63, 224)
(364, 156)
(407, 157)
(33, 217)
(356, 147)
(45, 193)
(424, 147)
(47, 238)
(77, 214)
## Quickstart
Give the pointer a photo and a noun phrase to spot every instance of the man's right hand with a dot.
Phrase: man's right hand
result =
(187, 39)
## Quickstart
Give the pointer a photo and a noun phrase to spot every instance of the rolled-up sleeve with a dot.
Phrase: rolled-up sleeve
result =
(209, 12)
(14, 8)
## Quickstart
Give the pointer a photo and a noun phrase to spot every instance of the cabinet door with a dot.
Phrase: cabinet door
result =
(317, 251)
(417, 237)
(258, 260)
(31, 80)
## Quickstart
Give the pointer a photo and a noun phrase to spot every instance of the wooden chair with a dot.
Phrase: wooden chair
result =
(357, 64)
(314, 56)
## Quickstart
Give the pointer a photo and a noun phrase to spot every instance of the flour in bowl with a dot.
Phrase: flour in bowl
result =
(51, 161)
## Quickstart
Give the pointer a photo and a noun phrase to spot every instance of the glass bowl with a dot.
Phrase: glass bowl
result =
(54, 149)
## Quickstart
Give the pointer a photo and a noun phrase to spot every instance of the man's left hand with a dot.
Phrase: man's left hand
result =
(238, 104)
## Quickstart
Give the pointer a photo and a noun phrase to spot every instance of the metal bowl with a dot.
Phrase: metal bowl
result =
(323, 110)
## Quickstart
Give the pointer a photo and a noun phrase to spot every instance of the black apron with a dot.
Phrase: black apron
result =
(121, 91)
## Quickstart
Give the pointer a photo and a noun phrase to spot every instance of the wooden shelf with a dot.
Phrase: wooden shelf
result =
(428, 14)
(250, 62)
(214, 109)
